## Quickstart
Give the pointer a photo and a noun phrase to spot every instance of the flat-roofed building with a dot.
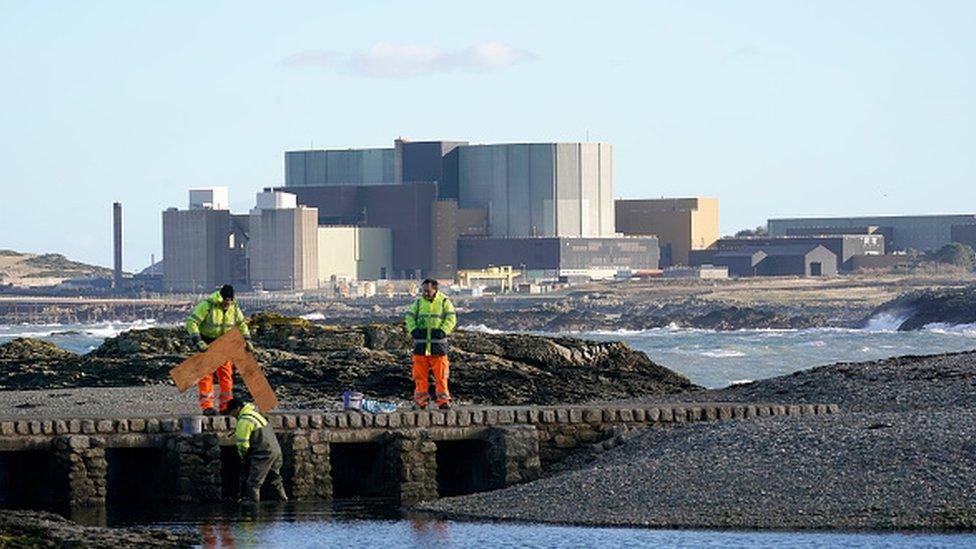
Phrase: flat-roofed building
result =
(354, 253)
(283, 248)
(595, 257)
(680, 224)
(902, 232)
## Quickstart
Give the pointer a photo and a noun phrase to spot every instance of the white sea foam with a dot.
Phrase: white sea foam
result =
(313, 316)
(482, 328)
(966, 330)
(722, 353)
(885, 321)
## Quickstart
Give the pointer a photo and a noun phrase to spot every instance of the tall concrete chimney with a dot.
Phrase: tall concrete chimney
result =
(117, 233)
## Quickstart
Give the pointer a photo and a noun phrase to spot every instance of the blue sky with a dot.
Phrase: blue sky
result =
(778, 108)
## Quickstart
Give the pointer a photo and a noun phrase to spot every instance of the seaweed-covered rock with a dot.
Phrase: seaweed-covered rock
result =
(309, 364)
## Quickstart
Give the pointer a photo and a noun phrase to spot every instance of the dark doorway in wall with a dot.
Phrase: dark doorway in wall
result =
(31, 479)
(464, 467)
(136, 475)
(359, 470)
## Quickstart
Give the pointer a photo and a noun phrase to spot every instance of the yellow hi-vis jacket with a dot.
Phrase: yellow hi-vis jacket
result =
(436, 319)
(253, 427)
(210, 320)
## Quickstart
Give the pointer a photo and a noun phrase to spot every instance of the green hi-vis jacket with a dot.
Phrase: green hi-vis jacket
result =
(254, 435)
(430, 316)
(210, 320)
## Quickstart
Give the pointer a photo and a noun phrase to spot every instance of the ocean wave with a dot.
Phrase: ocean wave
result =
(313, 316)
(722, 353)
(482, 328)
(966, 330)
(885, 321)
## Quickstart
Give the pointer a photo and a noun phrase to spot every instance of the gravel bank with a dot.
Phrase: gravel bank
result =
(43, 529)
(901, 455)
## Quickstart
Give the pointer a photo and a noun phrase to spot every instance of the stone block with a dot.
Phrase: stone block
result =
(22, 428)
(355, 420)
(122, 426)
(779, 410)
(711, 413)
(382, 420)
(451, 417)
(562, 415)
(680, 415)
(277, 421)
(592, 416)
(79, 442)
(342, 421)
(422, 419)
(477, 417)
(302, 421)
(47, 427)
(7, 428)
(35, 427)
(289, 421)
(408, 419)
(833, 408)
(463, 418)
(576, 415)
(808, 409)
(639, 415)
(521, 415)
(663, 414)
(60, 426)
(169, 425)
(438, 418)
(609, 415)
(105, 426)
(394, 420)
(506, 417)
(491, 416)
(315, 421)
(793, 410)
(137, 425)
(695, 413)
(533, 415)
(563, 441)
(725, 413)
(548, 416)
(626, 415)
(320, 448)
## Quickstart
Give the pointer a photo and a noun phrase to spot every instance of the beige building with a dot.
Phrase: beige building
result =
(283, 251)
(681, 224)
(354, 253)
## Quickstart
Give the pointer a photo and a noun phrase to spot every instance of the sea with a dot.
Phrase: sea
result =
(710, 358)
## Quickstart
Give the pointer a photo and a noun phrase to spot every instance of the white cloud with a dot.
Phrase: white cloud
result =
(391, 60)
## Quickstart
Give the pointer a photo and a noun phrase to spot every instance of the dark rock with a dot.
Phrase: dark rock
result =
(308, 364)
(43, 529)
(918, 309)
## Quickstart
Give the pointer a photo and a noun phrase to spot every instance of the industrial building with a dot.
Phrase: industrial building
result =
(203, 247)
(918, 232)
(680, 224)
(539, 189)
(283, 247)
(405, 209)
(354, 253)
(432, 193)
(773, 260)
(553, 257)
(846, 247)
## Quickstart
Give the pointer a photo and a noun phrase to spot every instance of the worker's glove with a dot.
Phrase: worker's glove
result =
(201, 345)
(248, 345)
(419, 333)
(437, 334)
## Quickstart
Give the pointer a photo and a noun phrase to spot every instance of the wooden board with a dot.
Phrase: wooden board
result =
(229, 346)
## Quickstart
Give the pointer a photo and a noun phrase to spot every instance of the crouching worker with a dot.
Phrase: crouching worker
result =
(258, 447)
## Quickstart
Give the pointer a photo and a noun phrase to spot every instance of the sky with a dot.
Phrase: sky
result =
(779, 108)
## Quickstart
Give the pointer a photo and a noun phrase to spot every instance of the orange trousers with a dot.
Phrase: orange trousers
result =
(225, 378)
(422, 365)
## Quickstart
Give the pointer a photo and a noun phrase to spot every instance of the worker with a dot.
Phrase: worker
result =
(430, 320)
(212, 318)
(258, 447)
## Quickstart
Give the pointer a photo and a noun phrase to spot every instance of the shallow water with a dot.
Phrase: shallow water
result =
(381, 524)
(77, 338)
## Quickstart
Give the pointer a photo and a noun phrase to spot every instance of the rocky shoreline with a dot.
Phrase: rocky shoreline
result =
(44, 529)
(311, 365)
(900, 456)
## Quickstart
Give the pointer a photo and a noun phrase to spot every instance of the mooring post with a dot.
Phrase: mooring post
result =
(81, 461)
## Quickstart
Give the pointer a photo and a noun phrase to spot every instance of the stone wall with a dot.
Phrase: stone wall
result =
(521, 442)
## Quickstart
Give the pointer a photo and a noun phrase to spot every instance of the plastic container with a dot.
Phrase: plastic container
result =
(377, 407)
(352, 400)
